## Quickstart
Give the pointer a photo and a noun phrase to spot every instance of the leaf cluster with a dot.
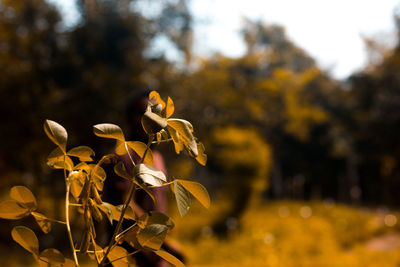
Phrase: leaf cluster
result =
(84, 184)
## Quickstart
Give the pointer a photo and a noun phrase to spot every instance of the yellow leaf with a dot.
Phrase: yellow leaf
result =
(116, 253)
(77, 179)
(120, 148)
(153, 122)
(170, 258)
(42, 221)
(140, 148)
(26, 238)
(155, 96)
(69, 263)
(55, 156)
(67, 164)
(152, 236)
(98, 175)
(170, 108)
(108, 130)
(23, 196)
(56, 133)
(185, 129)
(11, 210)
(178, 144)
(82, 166)
(149, 174)
(198, 191)
(201, 157)
(84, 153)
(120, 170)
(52, 256)
(183, 198)
(116, 212)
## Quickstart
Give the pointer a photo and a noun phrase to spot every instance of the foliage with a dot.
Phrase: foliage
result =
(243, 161)
(84, 183)
(286, 233)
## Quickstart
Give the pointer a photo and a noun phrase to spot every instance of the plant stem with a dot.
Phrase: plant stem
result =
(151, 138)
(71, 240)
(127, 255)
(132, 189)
(49, 219)
(162, 141)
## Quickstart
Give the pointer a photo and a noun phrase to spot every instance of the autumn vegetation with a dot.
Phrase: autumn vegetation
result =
(281, 133)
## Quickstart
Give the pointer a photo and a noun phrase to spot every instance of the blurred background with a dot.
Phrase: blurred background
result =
(297, 103)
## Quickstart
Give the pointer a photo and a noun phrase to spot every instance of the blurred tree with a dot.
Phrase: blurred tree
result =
(80, 75)
(276, 88)
(376, 103)
(242, 160)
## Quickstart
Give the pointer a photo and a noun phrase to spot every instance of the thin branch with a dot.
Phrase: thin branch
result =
(49, 219)
(132, 189)
(94, 247)
(75, 204)
(127, 255)
(71, 241)
(162, 141)
(126, 230)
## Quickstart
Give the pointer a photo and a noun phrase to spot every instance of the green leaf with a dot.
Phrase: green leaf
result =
(42, 221)
(170, 258)
(108, 130)
(116, 253)
(152, 236)
(149, 174)
(26, 238)
(24, 197)
(120, 170)
(11, 210)
(182, 197)
(197, 190)
(140, 148)
(53, 256)
(170, 108)
(56, 133)
(84, 153)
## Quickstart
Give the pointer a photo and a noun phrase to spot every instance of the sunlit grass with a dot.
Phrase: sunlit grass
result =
(292, 234)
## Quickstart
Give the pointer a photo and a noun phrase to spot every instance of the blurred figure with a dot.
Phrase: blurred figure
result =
(117, 187)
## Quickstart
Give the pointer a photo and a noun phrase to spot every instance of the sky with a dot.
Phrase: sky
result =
(329, 30)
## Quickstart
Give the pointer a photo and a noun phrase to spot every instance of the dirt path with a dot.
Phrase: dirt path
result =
(386, 242)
